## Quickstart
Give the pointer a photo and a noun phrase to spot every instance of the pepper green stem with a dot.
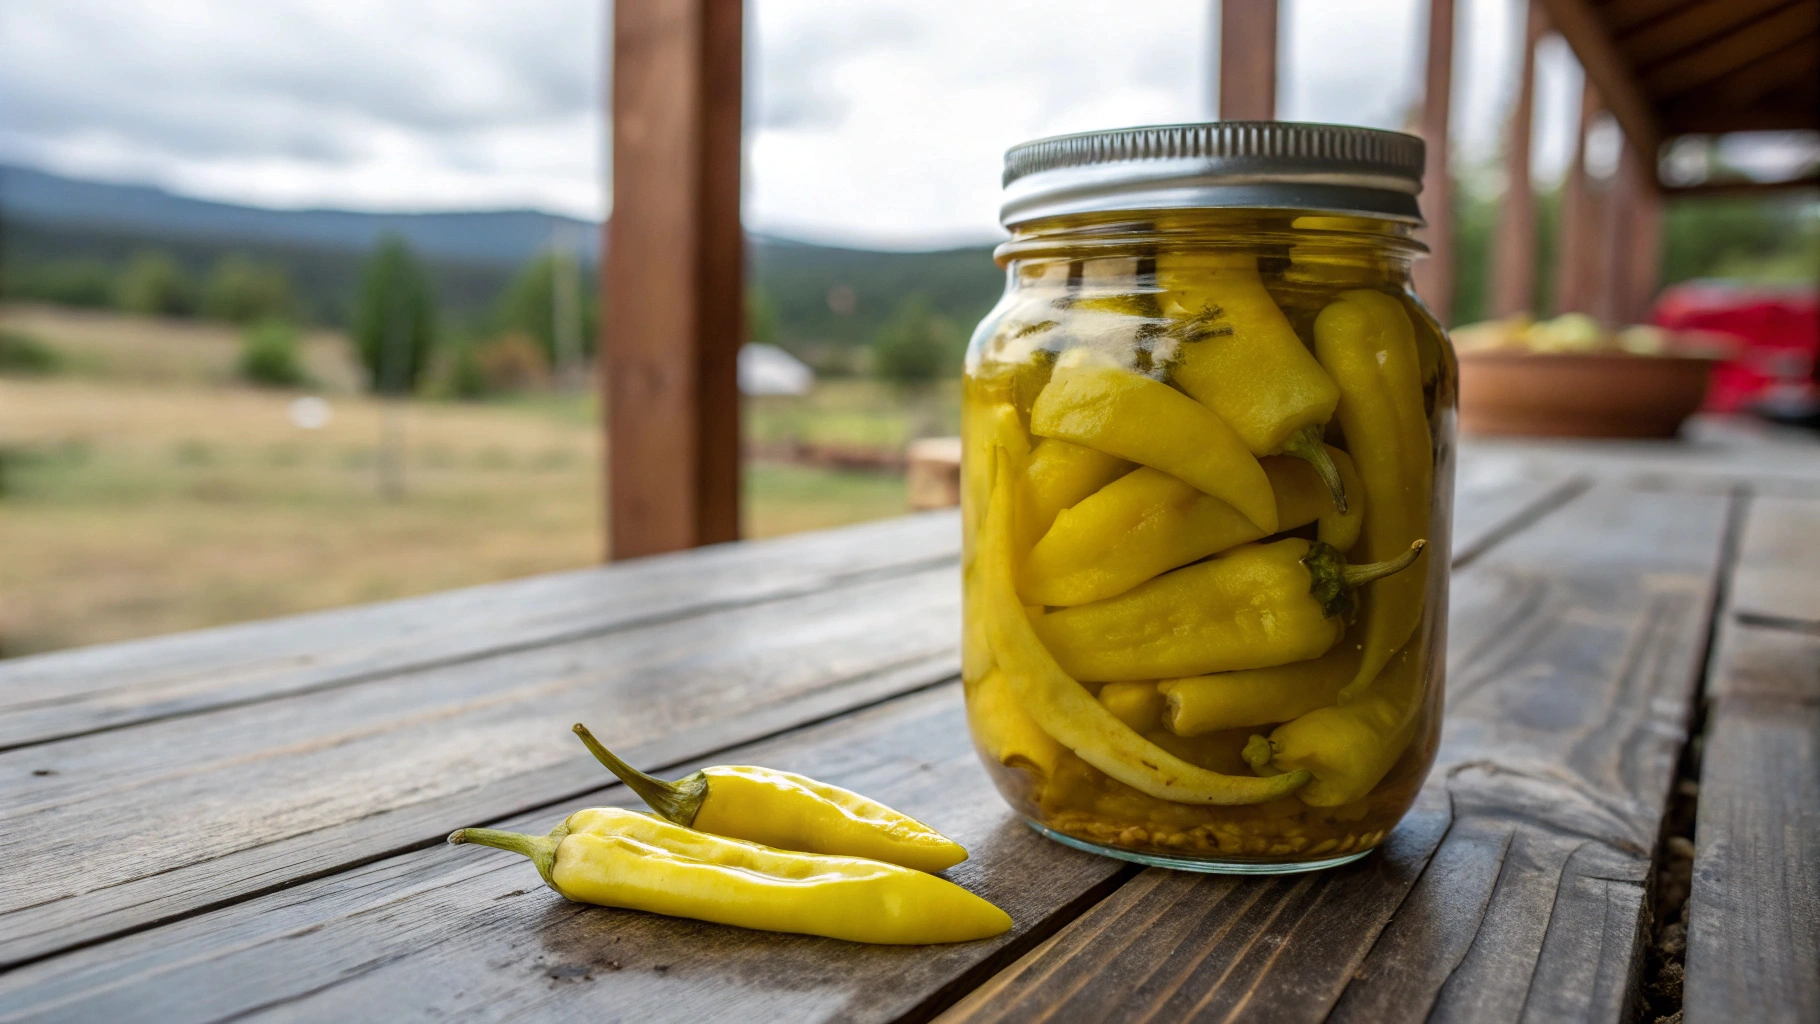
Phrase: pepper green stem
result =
(541, 849)
(1258, 753)
(1331, 581)
(679, 801)
(1305, 444)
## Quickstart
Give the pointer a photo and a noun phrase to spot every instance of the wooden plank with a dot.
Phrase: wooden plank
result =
(1753, 944)
(1688, 28)
(209, 809)
(1734, 50)
(1580, 262)
(1434, 275)
(82, 691)
(1514, 258)
(1712, 456)
(467, 931)
(1489, 504)
(1248, 60)
(1609, 73)
(673, 289)
(1517, 888)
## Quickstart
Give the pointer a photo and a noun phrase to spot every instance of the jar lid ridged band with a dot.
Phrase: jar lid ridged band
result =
(1264, 164)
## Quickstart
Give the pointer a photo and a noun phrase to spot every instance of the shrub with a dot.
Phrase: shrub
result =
(529, 304)
(154, 285)
(25, 355)
(269, 356)
(243, 292)
(515, 362)
(917, 346)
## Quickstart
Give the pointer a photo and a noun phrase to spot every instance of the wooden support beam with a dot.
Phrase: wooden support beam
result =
(1579, 264)
(1434, 275)
(673, 277)
(1248, 60)
(1734, 51)
(1609, 72)
(1513, 281)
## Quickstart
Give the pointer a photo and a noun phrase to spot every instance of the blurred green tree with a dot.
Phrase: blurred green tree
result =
(243, 291)
(917, 345)
(154, 285)
(534, 299)
(394, 326)
(269, 355)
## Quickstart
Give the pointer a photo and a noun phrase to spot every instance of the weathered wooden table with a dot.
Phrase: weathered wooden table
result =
(248, 822)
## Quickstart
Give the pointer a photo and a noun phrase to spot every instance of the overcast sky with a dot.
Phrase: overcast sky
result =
(877, 123)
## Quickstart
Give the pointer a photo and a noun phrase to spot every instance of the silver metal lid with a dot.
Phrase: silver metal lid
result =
(1273, 165)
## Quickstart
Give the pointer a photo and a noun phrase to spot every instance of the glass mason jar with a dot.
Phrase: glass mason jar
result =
(1206, 493)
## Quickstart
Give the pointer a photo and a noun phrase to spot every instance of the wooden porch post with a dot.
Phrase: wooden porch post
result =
(1248, 60)
(1434, 275)
(672, 282)
(1643, 271)
(1513, 260)
(1579, 265)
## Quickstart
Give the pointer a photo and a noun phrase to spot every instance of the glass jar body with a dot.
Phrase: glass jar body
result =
(1199, 449)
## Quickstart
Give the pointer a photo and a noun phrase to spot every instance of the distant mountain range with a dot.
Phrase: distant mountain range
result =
(46, 218)
(490, 236)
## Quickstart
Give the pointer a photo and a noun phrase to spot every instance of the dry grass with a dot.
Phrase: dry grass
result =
(144, 492)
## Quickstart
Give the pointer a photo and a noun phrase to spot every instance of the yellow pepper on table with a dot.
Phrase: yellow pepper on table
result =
(1367, 343)
(1255, 606)
(785, 810)
(1063, 709)
(1240, 357)
(618, 858)
(1120, 412)
(1148, 522)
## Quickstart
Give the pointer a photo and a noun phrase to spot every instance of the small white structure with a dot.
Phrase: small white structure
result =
(769, 370)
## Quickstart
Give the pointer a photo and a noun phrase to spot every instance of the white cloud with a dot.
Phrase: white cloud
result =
(879, 123)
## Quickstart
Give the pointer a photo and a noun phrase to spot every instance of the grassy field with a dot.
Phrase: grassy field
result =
(143, 490)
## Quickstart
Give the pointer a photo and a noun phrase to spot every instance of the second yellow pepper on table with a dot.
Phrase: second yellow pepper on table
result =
(785, 810)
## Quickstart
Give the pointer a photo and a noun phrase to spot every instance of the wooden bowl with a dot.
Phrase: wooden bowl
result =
(1504, 391)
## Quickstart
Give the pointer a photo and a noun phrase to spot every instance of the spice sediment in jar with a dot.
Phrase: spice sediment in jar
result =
(1158, 421)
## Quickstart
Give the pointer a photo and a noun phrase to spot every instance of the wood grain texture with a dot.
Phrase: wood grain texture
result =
(1515, 891)
(135, 826)
(70, 693)
(1434, 275)
(473, 932)
(1753, 944)
(673, 288)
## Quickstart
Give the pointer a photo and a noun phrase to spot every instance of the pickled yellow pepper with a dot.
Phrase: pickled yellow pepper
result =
(1367, 343)
(618, 858)
(1255, 606)
(1006, 731)
(1123, 413)
(785, 810)
(1258, 696)
(1240, 357)
(1148, 522)
(1057, 476)
(1349, 748)
(1064, 709)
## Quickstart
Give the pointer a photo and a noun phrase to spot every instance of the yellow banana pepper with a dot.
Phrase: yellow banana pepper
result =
(1367, 343)
(1119, 412)
(1004, 730)
(1057, 476)
(1064, 709)
(1240, 357)
(1148, 522)
(1349, 748)
(987, 426)
(1258, 696)
(618, 858)
(1138, 705)
(1255, 606)
(785, 810)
